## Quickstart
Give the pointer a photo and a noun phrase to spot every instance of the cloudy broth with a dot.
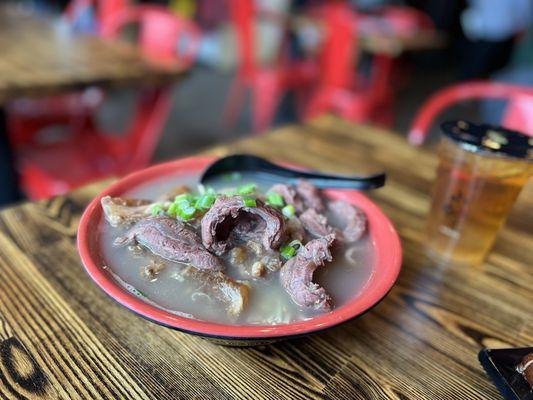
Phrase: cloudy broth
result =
(172, 291)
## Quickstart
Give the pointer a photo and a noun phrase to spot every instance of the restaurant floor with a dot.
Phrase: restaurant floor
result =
(196, 121)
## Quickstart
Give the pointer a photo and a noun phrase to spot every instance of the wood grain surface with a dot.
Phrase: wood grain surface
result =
(62, 337)
(39, 56)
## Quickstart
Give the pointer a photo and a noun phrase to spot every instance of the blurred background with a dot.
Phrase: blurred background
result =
(252, 65)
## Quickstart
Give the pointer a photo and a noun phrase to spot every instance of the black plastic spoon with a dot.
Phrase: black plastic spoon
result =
(276, 173)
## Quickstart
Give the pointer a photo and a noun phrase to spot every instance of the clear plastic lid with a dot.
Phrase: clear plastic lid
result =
(489, 138)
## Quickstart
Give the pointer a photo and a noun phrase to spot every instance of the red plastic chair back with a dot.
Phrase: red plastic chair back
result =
(243, 15)
(518, 114)
(338, 57)
(163, 36)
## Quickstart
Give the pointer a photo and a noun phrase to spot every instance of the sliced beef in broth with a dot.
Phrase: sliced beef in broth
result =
(172, 240)
(353, 221)
(310, 195)
(296, 275)
(123, 212)
(315, 223)
(302, 196)
(229, 220)
(288, 192)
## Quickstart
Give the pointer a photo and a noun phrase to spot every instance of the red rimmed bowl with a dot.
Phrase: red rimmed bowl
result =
(388, 256)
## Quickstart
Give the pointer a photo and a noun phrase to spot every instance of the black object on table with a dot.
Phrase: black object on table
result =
(9, 189)
(500, 365)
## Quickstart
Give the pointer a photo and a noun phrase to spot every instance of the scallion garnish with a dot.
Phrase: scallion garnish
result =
(172, 210)
(249, 188)
(288, 211)
(287, 252)
(157, 209)
(249, 201)
(275, 200)
(205, 202)
(186, 212)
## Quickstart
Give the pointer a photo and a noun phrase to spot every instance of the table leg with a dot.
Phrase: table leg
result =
(9, 189)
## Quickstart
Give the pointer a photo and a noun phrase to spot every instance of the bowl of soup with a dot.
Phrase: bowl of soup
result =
(242, 262)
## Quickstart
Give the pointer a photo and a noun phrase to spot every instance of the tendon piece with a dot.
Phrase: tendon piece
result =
(310, 195)
(296, 275)
(232, 294)
(229, 221)
(353, 220)
(122, 212)
(172, 240)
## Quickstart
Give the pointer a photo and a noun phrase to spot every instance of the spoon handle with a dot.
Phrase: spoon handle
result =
(327, 181)
(277, 173)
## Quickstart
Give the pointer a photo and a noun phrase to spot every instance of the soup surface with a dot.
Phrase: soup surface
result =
(170, 285)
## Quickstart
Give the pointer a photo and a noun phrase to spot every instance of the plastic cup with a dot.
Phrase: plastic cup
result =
(481, 172)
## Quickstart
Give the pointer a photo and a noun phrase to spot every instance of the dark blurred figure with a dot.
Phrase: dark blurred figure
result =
(490, 29)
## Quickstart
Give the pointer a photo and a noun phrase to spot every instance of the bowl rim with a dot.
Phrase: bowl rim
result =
(388, 259)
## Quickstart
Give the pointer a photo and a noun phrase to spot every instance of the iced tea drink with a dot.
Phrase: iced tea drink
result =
(481, 172)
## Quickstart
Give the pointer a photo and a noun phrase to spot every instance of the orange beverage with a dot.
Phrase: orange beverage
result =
(481, 172)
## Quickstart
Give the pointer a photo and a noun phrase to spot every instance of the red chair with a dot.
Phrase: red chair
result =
(27, 117)
(518, 114)
(341, 89)
(336, 90)
(266, 83)
(87, 154)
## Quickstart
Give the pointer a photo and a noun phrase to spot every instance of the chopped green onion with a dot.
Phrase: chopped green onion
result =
(205, 202)
(186, 212)
(173, 210)
(288, 211)
(249, 201)
(287, 252)
(249, 188)
(157, 209)
(275, 199)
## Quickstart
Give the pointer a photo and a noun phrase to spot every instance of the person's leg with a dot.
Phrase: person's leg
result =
(9, 190)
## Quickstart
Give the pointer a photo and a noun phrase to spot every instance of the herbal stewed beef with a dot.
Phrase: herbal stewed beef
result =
(315, 223)
(175, 245)
(230, 220)
(302, 196)
(173, 240)
(288, 192)
(297, 274)
(310, 195)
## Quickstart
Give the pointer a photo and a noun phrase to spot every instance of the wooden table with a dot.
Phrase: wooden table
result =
(61, 336)
(39, 56)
